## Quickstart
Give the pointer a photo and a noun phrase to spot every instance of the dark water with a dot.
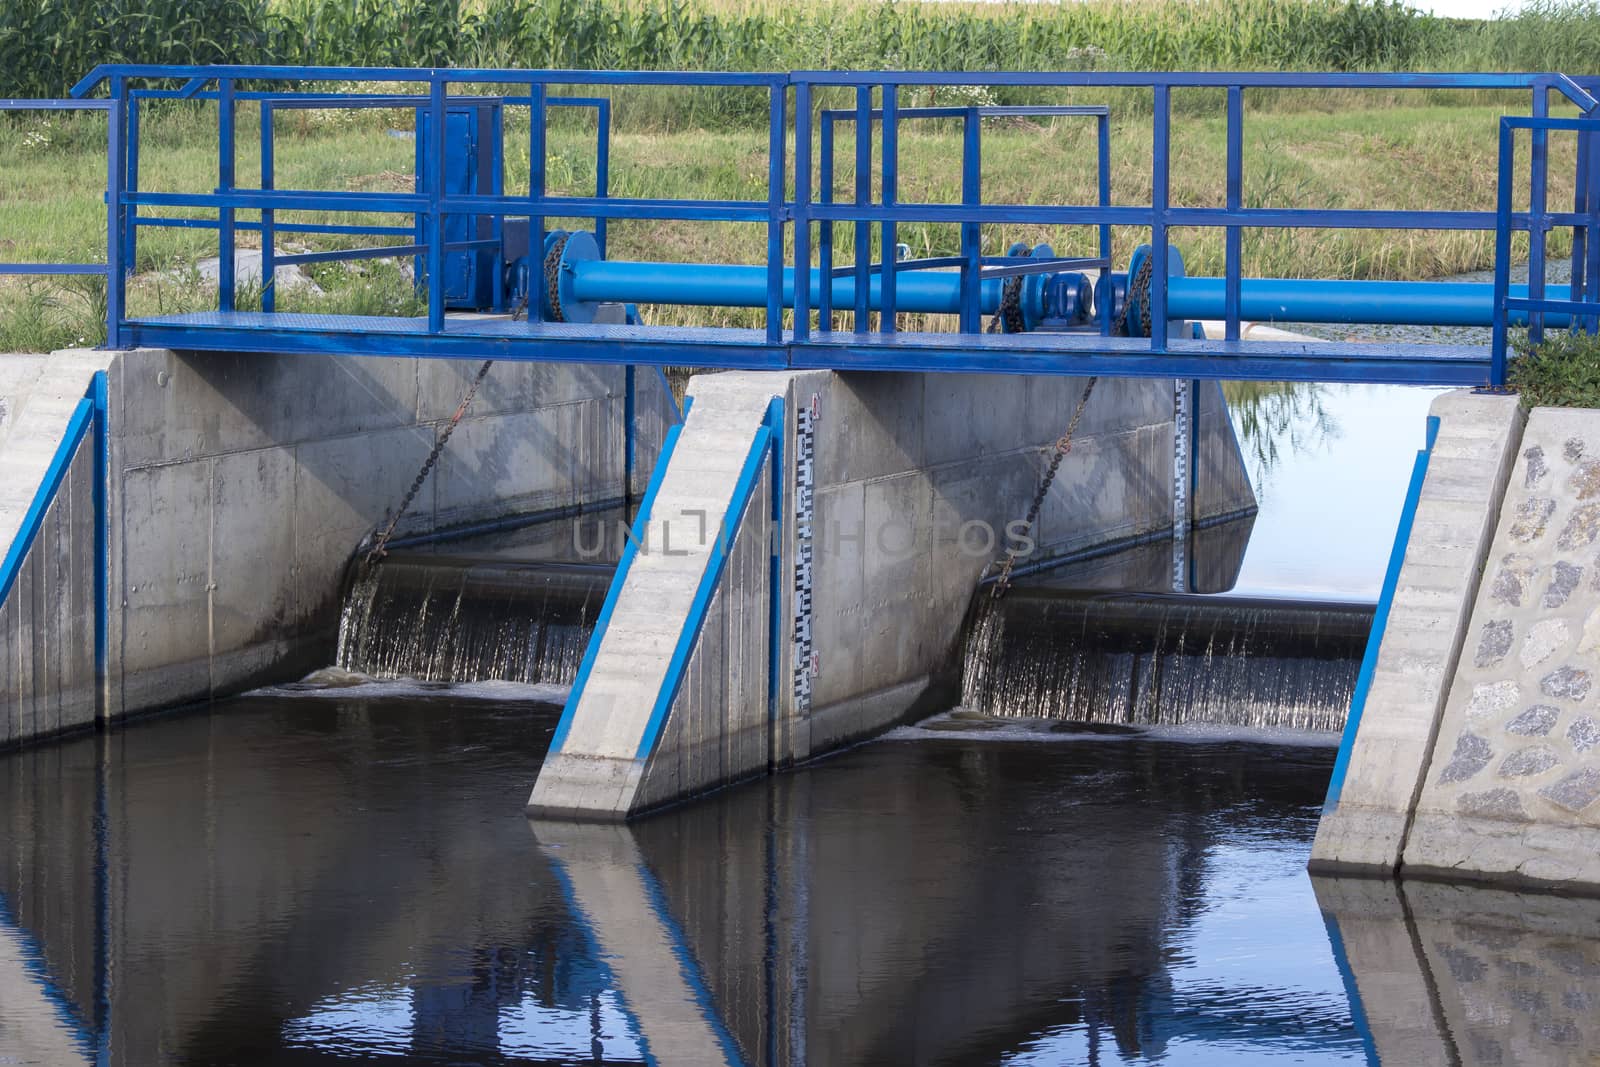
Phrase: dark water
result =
(324, 879)
(299, 880)
(337, 875)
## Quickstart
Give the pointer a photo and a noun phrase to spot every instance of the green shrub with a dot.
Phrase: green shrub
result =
(1562, 371)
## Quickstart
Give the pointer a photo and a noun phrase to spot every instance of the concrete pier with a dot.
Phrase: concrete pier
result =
(1477, 754)
(894, 492)
(240, 486)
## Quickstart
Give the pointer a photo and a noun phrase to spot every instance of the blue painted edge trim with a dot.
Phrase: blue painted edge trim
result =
(77, 427)
(629, 551)
(1352, 992)
(689, 967)
(1380, 617)
(717, 560)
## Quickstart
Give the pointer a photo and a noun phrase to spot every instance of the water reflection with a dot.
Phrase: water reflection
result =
(1278, 419)
(314, 880)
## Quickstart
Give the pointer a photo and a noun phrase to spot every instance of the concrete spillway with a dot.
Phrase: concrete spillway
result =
(1151, 659)
(452, 619)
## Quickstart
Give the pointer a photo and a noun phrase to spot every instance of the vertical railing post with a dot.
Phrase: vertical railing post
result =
(1592, 272)
(225, 185)
(1103, 183)
(116, 215)
(1576, 285)
(602, 168)
(497, 184)
(1234, 234)
(971, 230)
(825, 227)
(538, 154)
(269, 269)
(863, 183)
(777, 173)
(435, 225)
(802, 211)
(1160, 190)
(130, 251)
(1502, 257)
(1538, 174)
(889, 231)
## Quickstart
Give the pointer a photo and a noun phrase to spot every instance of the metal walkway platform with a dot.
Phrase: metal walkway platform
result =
(1022, 353)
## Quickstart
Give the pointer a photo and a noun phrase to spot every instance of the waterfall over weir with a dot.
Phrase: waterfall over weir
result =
(1163, 659)
(468, 619)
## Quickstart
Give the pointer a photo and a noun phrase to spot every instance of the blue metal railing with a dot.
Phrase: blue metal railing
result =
(793, 100)
(1583, 302)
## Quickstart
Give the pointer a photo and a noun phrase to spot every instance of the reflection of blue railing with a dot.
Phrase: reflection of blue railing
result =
(795, 101)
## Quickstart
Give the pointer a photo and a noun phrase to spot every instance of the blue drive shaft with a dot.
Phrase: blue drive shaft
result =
(938, 292)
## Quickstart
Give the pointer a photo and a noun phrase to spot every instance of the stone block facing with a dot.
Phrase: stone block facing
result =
(1427, 624)
(1513, 790)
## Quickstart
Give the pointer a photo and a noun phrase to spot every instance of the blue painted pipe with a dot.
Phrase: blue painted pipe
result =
(1313, 300)
(732, 285)
(939, 292)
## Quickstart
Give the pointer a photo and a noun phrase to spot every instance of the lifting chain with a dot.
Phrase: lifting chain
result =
(552, 276)
(1141, 283)
(1062, 447)
(380, 546)
(1008, 317)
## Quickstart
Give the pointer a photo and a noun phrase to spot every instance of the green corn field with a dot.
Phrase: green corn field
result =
(46, 45)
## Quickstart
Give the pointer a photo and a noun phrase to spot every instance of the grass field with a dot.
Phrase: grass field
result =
(1360, 153)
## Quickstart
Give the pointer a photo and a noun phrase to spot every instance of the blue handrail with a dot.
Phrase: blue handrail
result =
(798, 101)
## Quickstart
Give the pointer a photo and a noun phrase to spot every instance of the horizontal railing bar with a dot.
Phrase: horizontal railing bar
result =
(610, 208)
(1086, 215)
(1571, 307)
(16, 104)
(1531, 122)
(288, 200)
(377, 252)
(280, 72)
(280, 227)
(987, 111)
(52, 268)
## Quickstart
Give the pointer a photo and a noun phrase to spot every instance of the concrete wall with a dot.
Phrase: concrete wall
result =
(241, 485)
(1455, 517)
(1477, 754)
(1513, 789)
(613, 757)
(903, 461)
(47, 669)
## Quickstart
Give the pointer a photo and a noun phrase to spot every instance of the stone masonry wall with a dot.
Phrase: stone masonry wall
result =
(1513, 790)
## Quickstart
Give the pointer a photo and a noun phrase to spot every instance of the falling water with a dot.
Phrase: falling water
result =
(1155, 659)
(460, 619)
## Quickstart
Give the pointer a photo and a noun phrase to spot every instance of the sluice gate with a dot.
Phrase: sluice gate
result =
(808, 534)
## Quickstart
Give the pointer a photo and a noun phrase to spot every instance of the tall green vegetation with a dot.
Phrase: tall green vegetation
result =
(46, 45)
